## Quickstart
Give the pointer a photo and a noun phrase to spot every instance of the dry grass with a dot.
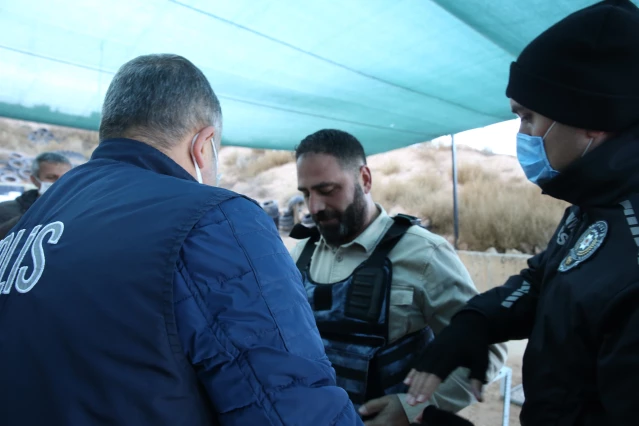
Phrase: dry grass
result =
(391, 191)
(507, 216)
(426, 153)
(260, 161)
(474, 172)
(232, 159)
(492, 213)
(390, 167)
(427, 196)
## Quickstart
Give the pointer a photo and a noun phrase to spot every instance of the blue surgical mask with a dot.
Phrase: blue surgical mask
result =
(532, 157)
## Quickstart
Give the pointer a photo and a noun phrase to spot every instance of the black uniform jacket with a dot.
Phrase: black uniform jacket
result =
(578, 301)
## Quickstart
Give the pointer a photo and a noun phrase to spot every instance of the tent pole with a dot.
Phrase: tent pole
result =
(455, 200)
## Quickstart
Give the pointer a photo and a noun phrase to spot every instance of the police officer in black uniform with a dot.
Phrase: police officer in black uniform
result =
(576, 90)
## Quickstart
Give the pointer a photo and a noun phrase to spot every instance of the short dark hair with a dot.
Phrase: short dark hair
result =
(162, 97)
(341, 145)
(48, 157)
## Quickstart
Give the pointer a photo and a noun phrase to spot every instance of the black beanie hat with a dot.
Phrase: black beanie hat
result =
(584, 70)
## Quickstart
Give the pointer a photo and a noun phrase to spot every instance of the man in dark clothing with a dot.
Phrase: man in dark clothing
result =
(576, 90)
(150, 296)
(46, 169)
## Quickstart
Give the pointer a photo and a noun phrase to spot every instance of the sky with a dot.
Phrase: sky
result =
(499, 138)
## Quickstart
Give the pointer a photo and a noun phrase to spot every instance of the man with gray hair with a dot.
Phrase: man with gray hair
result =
(151, 296)
(46, 168)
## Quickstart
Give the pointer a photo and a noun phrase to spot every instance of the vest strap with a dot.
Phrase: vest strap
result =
(349, 331)
(350, 373)
(372, 279)
(300, 232)
(403, 348)
(357, 398)
(323, 298)
(367, 292)
(401, 224)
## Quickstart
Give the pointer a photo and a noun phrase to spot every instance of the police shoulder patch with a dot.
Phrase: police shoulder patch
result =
(586, 246)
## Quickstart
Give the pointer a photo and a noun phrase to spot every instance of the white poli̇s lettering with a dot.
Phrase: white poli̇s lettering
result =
(35, 242)
(24, 284)
(8, 245)
(20, 258)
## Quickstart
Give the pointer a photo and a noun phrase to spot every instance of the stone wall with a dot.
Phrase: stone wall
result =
(490, 270)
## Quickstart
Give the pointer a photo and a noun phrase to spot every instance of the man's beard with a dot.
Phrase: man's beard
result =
(350, 221)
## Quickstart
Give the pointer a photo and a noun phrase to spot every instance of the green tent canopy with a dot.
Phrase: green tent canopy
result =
(392, 72)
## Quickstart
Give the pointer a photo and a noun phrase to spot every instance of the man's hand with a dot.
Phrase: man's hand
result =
(388, 411)
(464, 343)
(423, 385)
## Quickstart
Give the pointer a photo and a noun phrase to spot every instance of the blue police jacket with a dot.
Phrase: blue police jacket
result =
(132, 295)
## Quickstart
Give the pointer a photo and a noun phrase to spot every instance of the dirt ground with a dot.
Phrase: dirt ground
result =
(490, 412)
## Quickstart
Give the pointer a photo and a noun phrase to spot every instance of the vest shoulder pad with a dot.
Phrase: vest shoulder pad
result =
(407, 219)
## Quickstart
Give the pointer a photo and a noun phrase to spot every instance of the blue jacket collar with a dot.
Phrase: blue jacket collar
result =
(141, 155)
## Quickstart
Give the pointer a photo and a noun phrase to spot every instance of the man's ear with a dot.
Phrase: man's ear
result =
(367, 178)
(202, 140)
(34, 181)
(597, 135)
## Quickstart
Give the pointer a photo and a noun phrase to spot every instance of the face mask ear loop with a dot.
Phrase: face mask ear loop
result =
(588, 147)
(197, 168)
(549, 129)
(218, 175)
